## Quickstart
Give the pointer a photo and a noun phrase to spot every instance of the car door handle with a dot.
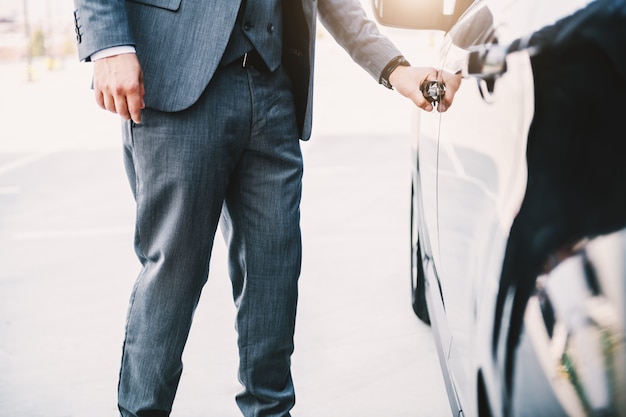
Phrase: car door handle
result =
(486, 63)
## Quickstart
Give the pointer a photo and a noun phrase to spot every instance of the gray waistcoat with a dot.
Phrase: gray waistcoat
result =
(258, 26)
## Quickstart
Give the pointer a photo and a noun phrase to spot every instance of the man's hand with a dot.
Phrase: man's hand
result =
(408, 80)
(118, 85)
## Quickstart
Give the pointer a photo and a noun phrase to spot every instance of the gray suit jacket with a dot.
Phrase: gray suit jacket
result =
(179, 43)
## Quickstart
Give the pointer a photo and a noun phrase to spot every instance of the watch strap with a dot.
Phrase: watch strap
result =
(398, 61)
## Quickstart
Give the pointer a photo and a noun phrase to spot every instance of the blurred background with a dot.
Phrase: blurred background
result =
(32, 30)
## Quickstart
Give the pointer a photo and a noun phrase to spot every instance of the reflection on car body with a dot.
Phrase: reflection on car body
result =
(519, 205)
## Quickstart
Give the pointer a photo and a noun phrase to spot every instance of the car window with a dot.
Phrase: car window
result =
(475, 30)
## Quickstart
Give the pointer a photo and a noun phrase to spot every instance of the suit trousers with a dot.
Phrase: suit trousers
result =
(233, 159)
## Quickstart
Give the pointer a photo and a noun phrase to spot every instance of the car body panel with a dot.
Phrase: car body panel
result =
(480, 186)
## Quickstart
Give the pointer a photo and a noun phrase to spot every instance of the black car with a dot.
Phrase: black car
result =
(519, 205)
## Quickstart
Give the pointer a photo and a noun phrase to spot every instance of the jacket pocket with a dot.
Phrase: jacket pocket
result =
(172, 5)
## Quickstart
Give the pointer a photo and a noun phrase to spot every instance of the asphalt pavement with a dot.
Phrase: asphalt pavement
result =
(67, 264)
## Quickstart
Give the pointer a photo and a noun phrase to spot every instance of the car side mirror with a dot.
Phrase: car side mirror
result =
(419, 14)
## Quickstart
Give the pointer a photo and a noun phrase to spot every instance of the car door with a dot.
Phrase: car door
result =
(481, 169)
(480, 177)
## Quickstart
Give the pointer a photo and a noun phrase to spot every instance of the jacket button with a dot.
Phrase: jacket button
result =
(270, 27)
(248, 26)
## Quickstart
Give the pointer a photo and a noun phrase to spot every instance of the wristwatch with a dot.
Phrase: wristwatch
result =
(398, 61)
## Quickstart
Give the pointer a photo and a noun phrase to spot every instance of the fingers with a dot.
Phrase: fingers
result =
(125, 101)
(134, 109)
(99, 97)
(452, 82)
(419, 100)
(446, 101)
(408, 82)
(118, 86)
(422, 103)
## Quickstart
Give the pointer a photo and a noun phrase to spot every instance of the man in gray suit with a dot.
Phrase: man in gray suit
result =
(214, 97)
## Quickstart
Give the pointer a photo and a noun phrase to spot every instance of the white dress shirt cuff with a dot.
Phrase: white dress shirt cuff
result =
(115, 50)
